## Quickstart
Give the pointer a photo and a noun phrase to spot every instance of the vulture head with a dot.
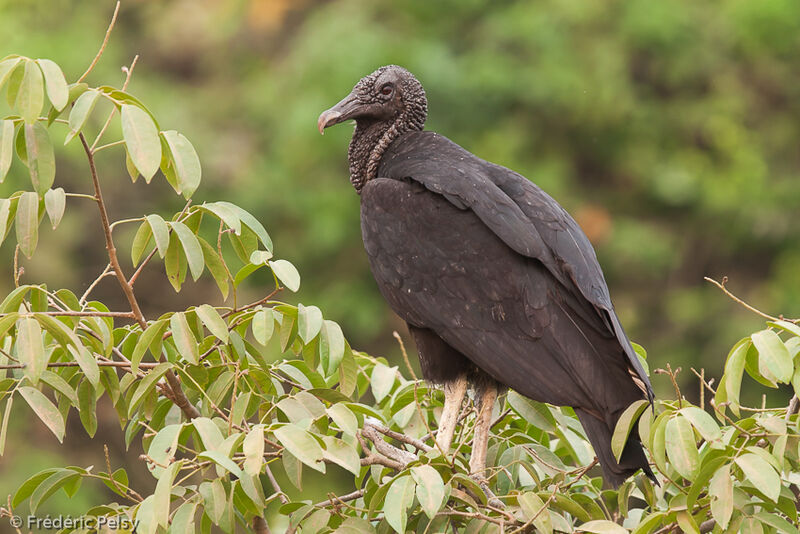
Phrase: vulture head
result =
(384, 104)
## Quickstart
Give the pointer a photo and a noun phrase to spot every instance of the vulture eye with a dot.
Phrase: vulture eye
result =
(386, 89)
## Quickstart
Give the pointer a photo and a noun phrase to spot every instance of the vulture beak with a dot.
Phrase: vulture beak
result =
(347, 108)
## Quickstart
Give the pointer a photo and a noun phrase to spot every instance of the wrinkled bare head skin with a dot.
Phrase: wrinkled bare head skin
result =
(384, 104)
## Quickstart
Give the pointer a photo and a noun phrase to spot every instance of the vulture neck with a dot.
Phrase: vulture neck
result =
(370, 141)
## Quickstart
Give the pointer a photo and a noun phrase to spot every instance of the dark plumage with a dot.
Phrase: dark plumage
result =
(494, 278)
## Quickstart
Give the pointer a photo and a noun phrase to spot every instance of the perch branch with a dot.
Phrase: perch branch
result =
(371, 458)
(400, 437)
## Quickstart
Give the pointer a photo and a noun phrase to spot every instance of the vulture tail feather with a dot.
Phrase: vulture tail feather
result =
(633, 457)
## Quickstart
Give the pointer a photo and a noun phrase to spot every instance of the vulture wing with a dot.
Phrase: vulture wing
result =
(518, 212)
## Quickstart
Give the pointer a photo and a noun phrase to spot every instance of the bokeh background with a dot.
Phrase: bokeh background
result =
(670, 130)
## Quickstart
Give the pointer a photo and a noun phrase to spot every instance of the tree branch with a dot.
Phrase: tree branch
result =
(180, 398)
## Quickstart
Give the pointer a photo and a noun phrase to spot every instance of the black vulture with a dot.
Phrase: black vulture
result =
(497, 282)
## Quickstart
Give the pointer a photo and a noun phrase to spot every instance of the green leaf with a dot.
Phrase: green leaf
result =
(163, 446)
(222, 460)
(60, 385)
(344, 418)
(602, 526)
(146, 385)
(761, 474)
(140, 241)
(787, 326)
(263, 325)
(184, 161)
(302, 445)
(533, 506)
(536, 413)
(309, 322)
(44, 409)
(55, 200)
(160, 233)
(681, 447)
(734, 371)
(260, 257)
(47, 488)
(5, 212)
(774, 355)
(253, 449)
(86, 362)
(703, 422)
(141, 138)
(162, 494)
(224, 213)
(29, 486)
(56, 84)
(41, 159)
(30, 96)
(775, 521)
(382, 380)
(215, 324)
(191, 247)
(185, 341)
(7, 68)
(720, 491)
(216, 266)
(348, 373)
(183, 520)
(30, 348)
(331, 346)
(80, 113)
(27, 223)
(398, 500)
(251, 222)
(342, 454)
(430, 489)
(4, 426)
(6, 147)
(286, 273)
(151, 333)
(625, 425)
(209, 432)
(87, 407)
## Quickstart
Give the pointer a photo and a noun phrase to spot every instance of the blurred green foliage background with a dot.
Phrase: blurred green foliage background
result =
(670, 130)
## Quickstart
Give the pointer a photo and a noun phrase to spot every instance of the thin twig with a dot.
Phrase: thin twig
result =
(344, 498)
(672, 374)
(721, 285)
(259, 302)
(792, 409)
(128, 72)
(125, 365)
(275, 485)
(71, 313)
(17, 270)
(103, 46)
(405, 354)
(106, 272)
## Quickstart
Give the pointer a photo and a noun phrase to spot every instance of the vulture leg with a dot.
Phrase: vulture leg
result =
(453, 397)
(486, 395)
